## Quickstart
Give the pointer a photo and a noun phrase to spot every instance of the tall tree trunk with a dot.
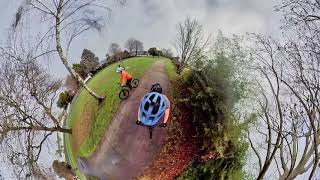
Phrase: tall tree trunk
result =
(64, 58)
(136, 50)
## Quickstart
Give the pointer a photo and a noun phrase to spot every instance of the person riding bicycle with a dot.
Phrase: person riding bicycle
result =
(153, 106)
(125, 77)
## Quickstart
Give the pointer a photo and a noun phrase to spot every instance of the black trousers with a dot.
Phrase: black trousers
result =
(129, 83)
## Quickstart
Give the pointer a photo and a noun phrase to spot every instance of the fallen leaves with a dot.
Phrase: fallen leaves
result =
(178, 151)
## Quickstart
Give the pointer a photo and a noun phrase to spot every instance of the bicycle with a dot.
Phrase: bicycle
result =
(125, 91)
(150, 128)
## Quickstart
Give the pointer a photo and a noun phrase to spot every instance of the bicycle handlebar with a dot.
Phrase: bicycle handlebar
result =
(123, 85)
(156, 125)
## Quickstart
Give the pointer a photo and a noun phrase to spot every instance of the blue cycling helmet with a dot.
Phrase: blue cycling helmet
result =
(152, 107)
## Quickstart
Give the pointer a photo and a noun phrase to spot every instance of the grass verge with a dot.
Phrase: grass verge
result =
(171, 70)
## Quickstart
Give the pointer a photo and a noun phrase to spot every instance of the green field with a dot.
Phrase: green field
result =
(104, 83)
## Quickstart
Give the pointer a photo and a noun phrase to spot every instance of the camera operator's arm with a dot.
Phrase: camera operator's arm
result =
(166, 113)
(138, 122)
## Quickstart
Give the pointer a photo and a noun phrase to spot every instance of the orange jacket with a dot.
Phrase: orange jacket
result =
(124, 76)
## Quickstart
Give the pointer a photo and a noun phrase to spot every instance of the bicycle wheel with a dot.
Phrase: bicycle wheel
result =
(150, 132)
(124, 94)
(134, 83)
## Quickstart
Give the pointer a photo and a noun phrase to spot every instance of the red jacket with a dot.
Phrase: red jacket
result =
(124, 76)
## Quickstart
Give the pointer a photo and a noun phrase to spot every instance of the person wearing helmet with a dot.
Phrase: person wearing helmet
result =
(125, 77)
(153, 106)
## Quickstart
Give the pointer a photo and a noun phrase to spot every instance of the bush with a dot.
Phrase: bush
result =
(64, 99)
(80, 70)
(153, 51)
(214, 88)
(221, 168)
(102, 66)
(212, 96)
(117, 57)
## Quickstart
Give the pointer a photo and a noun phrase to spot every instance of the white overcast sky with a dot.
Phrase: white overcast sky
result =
(154, 22)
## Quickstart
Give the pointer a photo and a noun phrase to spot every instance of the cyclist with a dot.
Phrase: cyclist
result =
(153, 106)
(125, 77)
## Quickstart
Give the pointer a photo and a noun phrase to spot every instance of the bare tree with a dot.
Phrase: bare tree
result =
(27, 116)
(290, 105)
(64, 20)
(71, 84)
(289, 121)
(189, 40)
(134, 45)
(114, 49)
(130, 45)
(116, 52)
(138, 46)
(299, 12)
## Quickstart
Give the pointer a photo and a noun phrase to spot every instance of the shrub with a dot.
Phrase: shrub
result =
(102, 66)
(221, 168)
(64, 99)
(80, 70)
(212, 96)
(215, 87)
(117, 57)
(153, 51)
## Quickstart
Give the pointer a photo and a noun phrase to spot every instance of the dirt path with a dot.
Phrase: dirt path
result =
(126, 149)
